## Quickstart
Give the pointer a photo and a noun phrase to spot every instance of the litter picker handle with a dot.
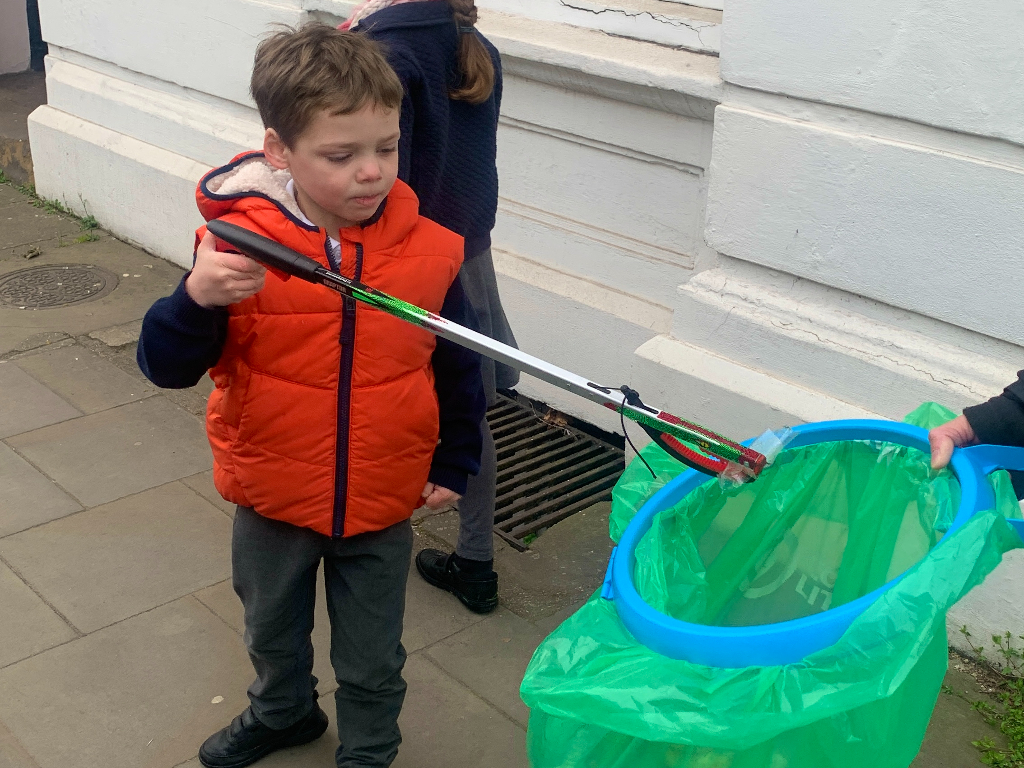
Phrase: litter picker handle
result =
(268, 252)
(710, 452)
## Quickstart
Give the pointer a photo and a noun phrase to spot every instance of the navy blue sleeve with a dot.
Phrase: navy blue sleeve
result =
(180, 340)
(1000, 421)
(460, 395)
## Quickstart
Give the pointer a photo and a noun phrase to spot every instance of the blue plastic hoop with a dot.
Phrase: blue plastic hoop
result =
(789, 641)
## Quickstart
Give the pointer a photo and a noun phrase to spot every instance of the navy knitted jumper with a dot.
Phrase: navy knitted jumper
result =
(447, 150)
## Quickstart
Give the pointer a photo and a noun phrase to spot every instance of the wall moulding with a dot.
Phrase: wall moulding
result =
(756, 323)
(615, 149)
(569, 285)
(678, 26)
(635, 248)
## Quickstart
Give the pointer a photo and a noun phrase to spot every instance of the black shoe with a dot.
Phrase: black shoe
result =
(247, 740)
(477, 591)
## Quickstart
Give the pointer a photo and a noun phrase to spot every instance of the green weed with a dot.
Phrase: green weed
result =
(87, 222)
(1010, 720)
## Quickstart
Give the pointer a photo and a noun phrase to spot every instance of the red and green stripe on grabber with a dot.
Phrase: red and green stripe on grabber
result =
(690, 443)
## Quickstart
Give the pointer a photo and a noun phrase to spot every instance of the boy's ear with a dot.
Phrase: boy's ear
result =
(275, 150)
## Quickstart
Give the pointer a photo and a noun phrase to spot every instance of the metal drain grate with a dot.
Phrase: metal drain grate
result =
(55, 285)
(546, 471)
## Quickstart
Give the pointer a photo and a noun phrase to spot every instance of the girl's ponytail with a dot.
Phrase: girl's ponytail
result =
(476, 69)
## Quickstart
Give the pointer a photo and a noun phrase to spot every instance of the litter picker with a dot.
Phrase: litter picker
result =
(690, 443)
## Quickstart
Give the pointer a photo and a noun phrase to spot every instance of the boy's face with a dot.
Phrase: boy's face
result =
(343, 165)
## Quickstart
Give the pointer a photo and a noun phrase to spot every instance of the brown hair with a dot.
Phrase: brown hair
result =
(299, 72)
(475, 66)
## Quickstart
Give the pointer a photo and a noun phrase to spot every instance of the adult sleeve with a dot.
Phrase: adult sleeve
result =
(1000, 421)
(180, 340)
(461, 401)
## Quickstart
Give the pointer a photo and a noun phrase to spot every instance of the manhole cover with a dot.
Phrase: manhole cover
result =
(546, 471)
(55, 285)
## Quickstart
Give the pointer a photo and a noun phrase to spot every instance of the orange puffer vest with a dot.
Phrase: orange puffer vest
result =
(324, 414)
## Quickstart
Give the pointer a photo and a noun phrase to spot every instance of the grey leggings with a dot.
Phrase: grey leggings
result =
(476, 507)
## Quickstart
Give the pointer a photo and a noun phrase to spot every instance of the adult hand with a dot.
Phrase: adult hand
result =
(945, 437)
(435, 497)
(219, 278)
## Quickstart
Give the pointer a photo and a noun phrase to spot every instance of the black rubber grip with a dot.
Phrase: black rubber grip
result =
(267, 252)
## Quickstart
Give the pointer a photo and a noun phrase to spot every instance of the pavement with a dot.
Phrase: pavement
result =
(20, 93)
(120, 638)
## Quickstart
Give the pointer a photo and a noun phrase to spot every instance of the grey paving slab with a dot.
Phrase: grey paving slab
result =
(10, 196)
(118, 452)
(114, 561)
(28, 497)
(12, 753)
(443, 526)
(955, 723)
(85, 380)
(119, 335)
(29, 625)
(202, 484)
(127, 302)
(138, 694)
(563, 567)
(23, 223)
(443, 726)
(490, 659)
(25, 404)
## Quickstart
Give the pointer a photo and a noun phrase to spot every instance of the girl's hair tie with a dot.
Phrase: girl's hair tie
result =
(465, 30)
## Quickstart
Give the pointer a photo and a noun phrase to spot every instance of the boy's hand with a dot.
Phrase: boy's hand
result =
(219, 278)
(435, 497)
(945, 437)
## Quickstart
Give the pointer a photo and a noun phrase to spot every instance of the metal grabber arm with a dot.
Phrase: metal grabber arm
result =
(691, 444)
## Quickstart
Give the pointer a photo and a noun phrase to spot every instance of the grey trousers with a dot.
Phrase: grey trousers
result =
(274, 567)
(476, 507)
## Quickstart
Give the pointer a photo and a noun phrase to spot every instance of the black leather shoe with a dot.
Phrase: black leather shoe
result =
(247, 740)
(477, 591)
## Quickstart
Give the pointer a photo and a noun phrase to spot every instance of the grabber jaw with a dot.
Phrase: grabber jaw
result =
(740, 463)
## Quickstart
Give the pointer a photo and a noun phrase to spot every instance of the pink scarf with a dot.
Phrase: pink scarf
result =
(367, 7)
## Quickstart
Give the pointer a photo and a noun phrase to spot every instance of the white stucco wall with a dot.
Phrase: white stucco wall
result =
(942, 62)
(912, 225)
(15, 54)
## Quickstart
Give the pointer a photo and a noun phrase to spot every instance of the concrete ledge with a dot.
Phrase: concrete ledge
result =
(207, 129)
(725, 396)
(816, 338)
(143, 193)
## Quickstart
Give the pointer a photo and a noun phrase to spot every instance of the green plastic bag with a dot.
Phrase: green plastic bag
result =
(824, 525)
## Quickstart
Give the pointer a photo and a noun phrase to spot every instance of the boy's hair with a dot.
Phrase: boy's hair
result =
(300, 72)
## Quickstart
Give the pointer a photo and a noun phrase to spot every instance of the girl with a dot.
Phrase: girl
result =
(451, 75)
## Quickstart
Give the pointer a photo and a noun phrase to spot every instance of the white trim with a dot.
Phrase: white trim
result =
(625, 306)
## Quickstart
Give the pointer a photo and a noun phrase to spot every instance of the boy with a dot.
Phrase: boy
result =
(330, 421)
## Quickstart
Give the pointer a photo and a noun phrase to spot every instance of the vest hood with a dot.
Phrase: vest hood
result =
(251, 186)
